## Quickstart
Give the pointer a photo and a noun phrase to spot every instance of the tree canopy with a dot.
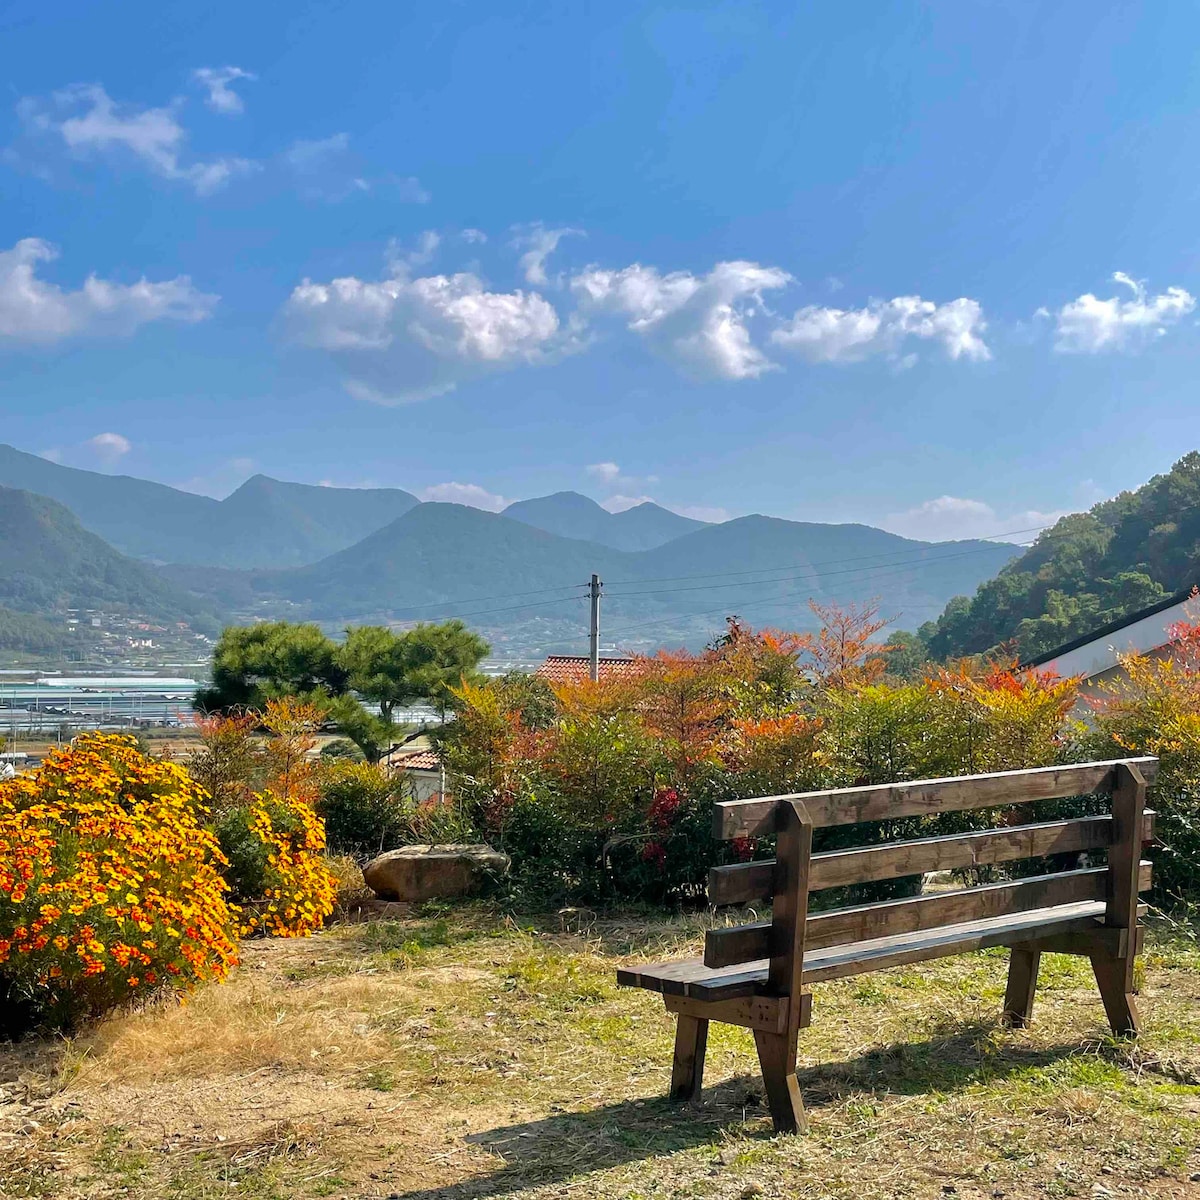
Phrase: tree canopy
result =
(1088, 569)
(253, 664)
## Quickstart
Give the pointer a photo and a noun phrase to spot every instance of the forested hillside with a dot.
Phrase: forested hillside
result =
(1089, 569)
(49, 563)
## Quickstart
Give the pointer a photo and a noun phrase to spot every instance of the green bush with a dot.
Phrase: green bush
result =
(364, 809)
(249, 871)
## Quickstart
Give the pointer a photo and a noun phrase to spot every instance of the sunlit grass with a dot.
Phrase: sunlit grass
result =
(465, 1054)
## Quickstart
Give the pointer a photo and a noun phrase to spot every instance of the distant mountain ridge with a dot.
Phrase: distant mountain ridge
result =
(568, 514)
(446, 560)
(339, 555)
(265, 523)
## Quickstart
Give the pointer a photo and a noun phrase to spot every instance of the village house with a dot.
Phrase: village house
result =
(1096, 656)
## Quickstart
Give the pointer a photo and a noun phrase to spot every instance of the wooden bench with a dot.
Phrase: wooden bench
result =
(757, 975)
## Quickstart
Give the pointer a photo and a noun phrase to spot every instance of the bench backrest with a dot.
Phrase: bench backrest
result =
(795, 871)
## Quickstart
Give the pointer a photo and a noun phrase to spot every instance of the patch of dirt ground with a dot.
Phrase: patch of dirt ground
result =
(437, 1059)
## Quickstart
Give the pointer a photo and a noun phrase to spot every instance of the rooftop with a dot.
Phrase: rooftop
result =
(572, 668)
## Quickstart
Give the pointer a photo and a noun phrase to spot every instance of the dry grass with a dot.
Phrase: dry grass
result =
(467, 1057)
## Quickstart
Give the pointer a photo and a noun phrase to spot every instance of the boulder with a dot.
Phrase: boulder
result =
(415, 873)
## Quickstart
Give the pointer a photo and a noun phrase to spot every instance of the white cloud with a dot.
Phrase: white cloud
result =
(221, 97)
(697, 322)
(34, 311)
(606, 472)
(96, 124)
(108, 447)
(464, 493)
(698, 512)
(1089, 325)
(473, 237)
(305, 156)
(616, 504)
(401, 261)
(951, 518)
(402, 338)
(541, 243)
(839, 335)
(410, 190)
(328, 169)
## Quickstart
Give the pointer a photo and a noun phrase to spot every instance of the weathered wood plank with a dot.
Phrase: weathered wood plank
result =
(690, 977)
(867, 922)
(768, 1013)
(789, 916)
(687, 1068)
(847, 806)
(693, 979)
(1023, 966)
(746, 883)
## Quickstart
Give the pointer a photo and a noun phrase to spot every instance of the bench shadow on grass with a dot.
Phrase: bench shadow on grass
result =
(559, 1148)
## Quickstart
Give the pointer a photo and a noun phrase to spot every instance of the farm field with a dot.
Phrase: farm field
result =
(460, 1055)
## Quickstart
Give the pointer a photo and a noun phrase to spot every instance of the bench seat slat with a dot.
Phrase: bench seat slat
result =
(746, 883)
(923, 797)
(692, 978)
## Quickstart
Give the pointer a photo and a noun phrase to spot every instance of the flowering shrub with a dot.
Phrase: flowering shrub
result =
(110, 887)
(271, 837)
(279, 872)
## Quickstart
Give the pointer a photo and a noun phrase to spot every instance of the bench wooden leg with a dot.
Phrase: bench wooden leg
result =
(687, 1071)
(1114, 977)
(777, 1057)
(1023, 966)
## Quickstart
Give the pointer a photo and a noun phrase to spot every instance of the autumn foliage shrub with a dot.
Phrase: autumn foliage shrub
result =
(271, 836)
(110, 887)
(608, 796)
(1155, 709)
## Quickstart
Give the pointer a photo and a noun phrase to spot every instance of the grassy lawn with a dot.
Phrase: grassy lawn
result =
(466, 1056)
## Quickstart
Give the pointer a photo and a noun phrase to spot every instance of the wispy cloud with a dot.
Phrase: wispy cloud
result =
(952, 518)
(33, 311)
(221, 97)
(89, 122)
(1089, 325)
(883, 327)
(108, 447)
(470, 494)
(539, 242)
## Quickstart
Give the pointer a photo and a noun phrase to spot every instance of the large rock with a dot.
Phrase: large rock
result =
(415, 873)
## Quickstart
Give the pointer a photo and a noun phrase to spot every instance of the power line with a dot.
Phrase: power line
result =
(802, 575)
(440, 604)
(751, 583)
(512, 607)
(828, 562)
(725, 607)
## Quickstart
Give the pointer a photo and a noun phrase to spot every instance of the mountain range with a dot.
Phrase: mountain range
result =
(278, 549)
(265, 523)
(571, 515)
(446, 560)
(49, 563)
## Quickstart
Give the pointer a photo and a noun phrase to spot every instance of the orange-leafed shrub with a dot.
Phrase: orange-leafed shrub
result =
(110, 887)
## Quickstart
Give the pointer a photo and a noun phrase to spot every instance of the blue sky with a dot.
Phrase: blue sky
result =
(929, 266)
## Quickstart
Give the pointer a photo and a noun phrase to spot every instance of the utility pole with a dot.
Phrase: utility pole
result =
(594, 646)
